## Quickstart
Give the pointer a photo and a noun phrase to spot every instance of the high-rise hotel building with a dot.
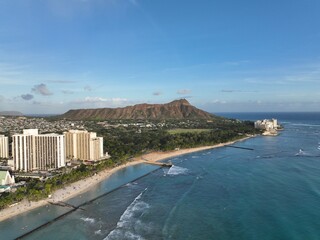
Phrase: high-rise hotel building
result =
(33, 151)
(83, 145)
(4, 147)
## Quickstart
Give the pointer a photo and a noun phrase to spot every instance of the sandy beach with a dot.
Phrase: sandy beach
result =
(84, 185)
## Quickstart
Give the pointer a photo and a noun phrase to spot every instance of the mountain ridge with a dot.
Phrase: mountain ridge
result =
(11, 113)
(177, 109)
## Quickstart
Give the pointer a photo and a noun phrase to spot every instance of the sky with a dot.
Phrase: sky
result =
(222, 56)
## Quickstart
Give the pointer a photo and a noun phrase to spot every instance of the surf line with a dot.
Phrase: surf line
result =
(79, 206)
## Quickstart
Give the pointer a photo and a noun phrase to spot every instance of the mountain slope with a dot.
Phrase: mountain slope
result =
(178, 109)
(10, 113)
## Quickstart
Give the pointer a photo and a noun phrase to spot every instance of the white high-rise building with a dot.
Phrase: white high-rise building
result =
(4, 147)
(83, 145)
(32, 151)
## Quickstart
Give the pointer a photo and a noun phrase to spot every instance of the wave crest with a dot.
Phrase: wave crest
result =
(129, 224)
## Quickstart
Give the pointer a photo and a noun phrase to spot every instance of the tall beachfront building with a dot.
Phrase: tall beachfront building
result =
(33, 151)
(83, 145)
(4, 147)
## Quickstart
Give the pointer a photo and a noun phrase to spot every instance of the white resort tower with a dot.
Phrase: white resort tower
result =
(83, 145)
(4, 147)
(32, 151)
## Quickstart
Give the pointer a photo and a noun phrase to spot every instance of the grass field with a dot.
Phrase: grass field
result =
(182, 130)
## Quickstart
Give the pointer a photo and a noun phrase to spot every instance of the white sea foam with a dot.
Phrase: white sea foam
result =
(175, 170)
(120, 234)
(131, 184)
(300, 153)
(129, 223)
(89, 220)
(98, 232)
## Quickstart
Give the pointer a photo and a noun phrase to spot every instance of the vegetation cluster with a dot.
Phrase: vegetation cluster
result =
(130, 140)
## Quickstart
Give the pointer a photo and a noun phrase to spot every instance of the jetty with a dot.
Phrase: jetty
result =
(244, 148)
(161, 164)
(64, 204)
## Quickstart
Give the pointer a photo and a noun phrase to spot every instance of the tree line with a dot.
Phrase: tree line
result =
(123, 144)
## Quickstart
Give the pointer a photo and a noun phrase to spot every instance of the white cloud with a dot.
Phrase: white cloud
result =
(11, 74)
(67, 92)
(27, 96)
(101, 102)
(184, 91)
(62, 81)
(41, 89)
(259, 106)
(235, 91)
(158, 93)
(218, 101)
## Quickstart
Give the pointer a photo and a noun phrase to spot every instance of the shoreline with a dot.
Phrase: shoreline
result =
(81, 186)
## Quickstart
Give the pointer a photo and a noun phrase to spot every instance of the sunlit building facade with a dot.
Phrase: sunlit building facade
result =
(4, 147)
(83, 145)
(32, 151)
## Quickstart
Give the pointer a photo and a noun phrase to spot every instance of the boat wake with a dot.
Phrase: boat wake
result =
(303, 153)
(130, 225)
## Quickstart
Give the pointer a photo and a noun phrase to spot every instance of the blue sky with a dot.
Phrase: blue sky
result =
(222, 56)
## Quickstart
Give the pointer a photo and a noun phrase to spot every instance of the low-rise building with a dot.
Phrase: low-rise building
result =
(6, 178)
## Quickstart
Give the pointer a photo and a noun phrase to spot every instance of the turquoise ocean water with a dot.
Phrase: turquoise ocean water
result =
(272, 192)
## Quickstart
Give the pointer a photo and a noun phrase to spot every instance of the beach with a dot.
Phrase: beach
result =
(79, 187)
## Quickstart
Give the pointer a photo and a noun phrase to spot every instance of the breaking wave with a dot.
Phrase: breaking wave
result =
(175, 170)
(129, 224)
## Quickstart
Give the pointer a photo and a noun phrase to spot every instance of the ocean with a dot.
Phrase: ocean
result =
(271, 192)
